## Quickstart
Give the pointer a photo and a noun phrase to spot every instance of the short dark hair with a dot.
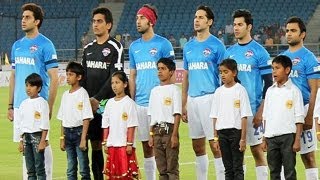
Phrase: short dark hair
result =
(37, 11)
(209, 12)
(171, 65)
(285, 61)
(152, 8)
(232, 65)
(75, 68)
(246, 14)
(295, 19)
(107, 14)
(34, 79)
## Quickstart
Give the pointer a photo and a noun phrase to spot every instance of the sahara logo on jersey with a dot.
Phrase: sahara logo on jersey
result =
(295, 61)
(249, 54)
(97, 64)
(24, 60)
(106, 51)
(316, 69)
(206, 52)
(198, 65)
(244, 67)
(33, 48)
(153, 51)
(294, 74)
(146, 65)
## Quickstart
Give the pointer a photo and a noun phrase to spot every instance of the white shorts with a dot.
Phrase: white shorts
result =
(254, 135)
(144, 123)
(199, 121)
(308, 141)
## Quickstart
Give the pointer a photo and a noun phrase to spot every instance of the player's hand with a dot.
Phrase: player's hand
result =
(83, 145)
(129, 149)
(94, 104)
(10, 114)
(150, 142)
(257, 120)
(21, 147)
(264, 145)
(296, 146)
(242, 145)
(216, 146)
(62, 145)
(184, 115)
(308, 123)
(105, 149)
(42, 145)
(174, 141)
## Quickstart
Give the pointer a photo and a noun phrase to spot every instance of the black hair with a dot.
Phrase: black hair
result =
(34, 79)
(246, 14)
(75, 68)
(123, 77)
(152, 8)
(295, 19)
(285, 61)
(231, 64)
(209, 12)
(107, 15)
(171, 65)
(37, 11)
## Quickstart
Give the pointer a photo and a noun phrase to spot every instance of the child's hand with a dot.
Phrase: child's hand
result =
(106, 149)
(296, 146)
(20, 147)
(264, 145)
(42, 145)
(150, 143)
(62, 145)
(174, 141)
(216, 146)
(242, 145)
(184, 115)
(129, 149)
(83, 144)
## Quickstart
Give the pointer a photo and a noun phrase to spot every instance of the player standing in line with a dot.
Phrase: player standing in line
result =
(255, 75)
(100, 59)
(34, 53)
(144, 54)
(201, 57)
(304, 74)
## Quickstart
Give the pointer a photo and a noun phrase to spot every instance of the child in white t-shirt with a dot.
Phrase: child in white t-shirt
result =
(119, 122)
(34, 115)
(75, 113)
(229, 110)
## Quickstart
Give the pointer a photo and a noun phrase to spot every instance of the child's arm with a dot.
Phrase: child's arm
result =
(175, 132)
(105, 137)
(130, 139)
(243, 141)
(317, 128)
(42, 145)
(83, 142)
(216, 146)
(296, 144)
(62, 142)
(151, 134)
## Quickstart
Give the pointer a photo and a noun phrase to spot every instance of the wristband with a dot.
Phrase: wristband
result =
(21, 139)
(61, 138)
(318, 133)
(103, 143)
(151, 133)
(242, 140)
(129, 143)
(9, 108)
(215, 139)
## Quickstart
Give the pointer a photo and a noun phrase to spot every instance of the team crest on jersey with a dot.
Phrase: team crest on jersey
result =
(37, 115)
(249, 54)
(237, 103)
(80, 106)
(106, 51)
(153, 51)
(167, 101)
(206, 52)
(124, 116)
(295, 61)
(33, 48)
(289, 104)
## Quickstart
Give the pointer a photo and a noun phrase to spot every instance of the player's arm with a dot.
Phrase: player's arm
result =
(175, 132)
(11, 92)
(185, 87)
(85, 127)
(257, 119)
(54, 83)
(132, 83)
(313, 93)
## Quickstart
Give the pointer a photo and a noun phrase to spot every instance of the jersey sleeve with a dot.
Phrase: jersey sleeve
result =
(266, 105)
(220, 54)
(264, 62)
(316, 112)
(12, 59)
(87, 110)
(245, 110)
(177, 102)
(105, 116)
(133, 115)
(298, 106)
(50, 56)
(45, 125)
(60, 114)
(84, 65)
(185, 61)
(167, 50)
(132, 63)
(215, 105)
(312, 67)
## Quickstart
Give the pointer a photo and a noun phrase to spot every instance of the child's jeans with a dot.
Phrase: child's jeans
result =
(74, 153)
(34, 158)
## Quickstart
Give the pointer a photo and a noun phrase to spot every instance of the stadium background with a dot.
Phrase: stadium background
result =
(68, 24)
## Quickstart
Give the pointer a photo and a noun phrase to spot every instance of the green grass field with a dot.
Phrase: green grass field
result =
(11, 159)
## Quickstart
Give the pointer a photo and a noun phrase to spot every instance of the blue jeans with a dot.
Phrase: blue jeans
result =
(74, 153)
(34, 159)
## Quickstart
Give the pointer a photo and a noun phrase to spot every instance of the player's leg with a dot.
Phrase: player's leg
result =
(143, 136)
(202, 161)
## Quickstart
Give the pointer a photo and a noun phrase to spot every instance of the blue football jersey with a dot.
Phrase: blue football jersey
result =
(201, 60)
(143, 56)
(29, 56)
(304, 67)
(253, 61)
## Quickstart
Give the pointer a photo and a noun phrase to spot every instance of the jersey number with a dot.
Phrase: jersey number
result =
(309, 136)
(258, 130)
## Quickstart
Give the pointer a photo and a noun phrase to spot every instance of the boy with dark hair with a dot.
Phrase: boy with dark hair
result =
(34, 115)
(283, 115)
(75, 113)
(165, 112)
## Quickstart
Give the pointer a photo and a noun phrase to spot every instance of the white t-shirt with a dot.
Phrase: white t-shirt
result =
(74, 108)
(119, 116)
(283, 108)
(229, 105)
(316, 112)
(165, 101)
(34, 115)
